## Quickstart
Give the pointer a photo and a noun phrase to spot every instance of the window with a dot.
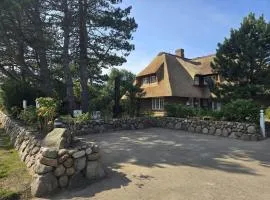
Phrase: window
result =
(145, 80)
(153, 79)
(205, 81)
(157, 104)
(196, 80)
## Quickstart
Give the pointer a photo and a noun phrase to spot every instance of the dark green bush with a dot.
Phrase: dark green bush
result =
(241, 110)
(14, 92)
(29, 115)
(179, 110)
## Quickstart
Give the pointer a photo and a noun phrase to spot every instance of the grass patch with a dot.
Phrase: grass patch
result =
(14, 177)
(8, 195)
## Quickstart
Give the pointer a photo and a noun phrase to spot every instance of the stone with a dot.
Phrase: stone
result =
(59, 138)
(245, 137)
(205, 131)
(198, 129)
(60, 170)
(178, 126)
(212, 130)
(70, 171)
(232, 135)
(63, 181)
(68, 162)
(35, 150)
(42, 169)
(93, 156)
(49, 153)
(218, 132)
(62, 152)
(94, 170)
(78, 154)
(80, 163)
(48, 161)
(95, 148)
(88, 151)
(63, 158)
(43, 185)
(251, 130)
(225, 133)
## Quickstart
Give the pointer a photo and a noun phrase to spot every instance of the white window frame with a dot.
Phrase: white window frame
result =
(157, 103)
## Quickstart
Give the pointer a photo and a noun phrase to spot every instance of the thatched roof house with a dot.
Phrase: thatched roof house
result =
(176, 79)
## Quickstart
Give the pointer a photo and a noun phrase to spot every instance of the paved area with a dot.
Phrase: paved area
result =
(167, 164)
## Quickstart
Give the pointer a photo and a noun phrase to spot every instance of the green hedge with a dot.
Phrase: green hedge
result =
(240, 110)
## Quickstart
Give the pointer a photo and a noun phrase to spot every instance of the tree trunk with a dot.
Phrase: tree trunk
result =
(83, 56)
(68, 77)
(45, 84)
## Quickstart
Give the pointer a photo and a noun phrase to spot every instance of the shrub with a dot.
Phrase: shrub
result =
(15, 111)
(14, 92)
(46, 112)
(241, 110)
(29, 115)
(178, 110)
(267, 113)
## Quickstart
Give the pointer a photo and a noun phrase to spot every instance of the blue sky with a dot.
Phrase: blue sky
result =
(194, 25)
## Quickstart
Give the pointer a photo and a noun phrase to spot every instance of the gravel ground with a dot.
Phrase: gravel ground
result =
(167, 164)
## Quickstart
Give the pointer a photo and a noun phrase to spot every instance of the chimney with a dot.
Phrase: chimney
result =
(180, 53)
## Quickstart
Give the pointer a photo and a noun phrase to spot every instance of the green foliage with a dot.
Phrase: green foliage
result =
(29, 115)
(83, 118)
(241, 110)
(179, 110)
(267, 113)
(14, 92)
(243, 60)
(8, 195)
(46, 112)
(15, 111)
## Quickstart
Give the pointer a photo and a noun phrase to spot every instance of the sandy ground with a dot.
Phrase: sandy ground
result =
(167, 164)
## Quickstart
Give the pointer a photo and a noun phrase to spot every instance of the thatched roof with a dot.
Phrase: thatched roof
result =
(178, 76)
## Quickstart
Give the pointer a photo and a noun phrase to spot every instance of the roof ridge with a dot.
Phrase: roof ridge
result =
(199, 57)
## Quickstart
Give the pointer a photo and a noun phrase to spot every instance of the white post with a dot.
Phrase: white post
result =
(262, 123)
(24, 104)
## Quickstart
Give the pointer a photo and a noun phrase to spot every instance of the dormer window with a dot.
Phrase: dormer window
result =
(149, 80)
(153, 79)
(196, 80)
(145, 80)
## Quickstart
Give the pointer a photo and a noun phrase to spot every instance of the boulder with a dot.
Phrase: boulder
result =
(49, 153)
(78, 154)
(48, 161)
(63, 181)
(205, 131)
(77, 180)
(251, 130)
(43, 185)
(80, 163)
(42, 169)
(60, 170)
(59, 138)
(70, 171)
(68, 162)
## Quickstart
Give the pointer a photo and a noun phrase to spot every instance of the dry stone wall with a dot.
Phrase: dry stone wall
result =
(236, 130)
(54, 168)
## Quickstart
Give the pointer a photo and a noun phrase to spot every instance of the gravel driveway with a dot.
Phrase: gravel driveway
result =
(167, 164)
